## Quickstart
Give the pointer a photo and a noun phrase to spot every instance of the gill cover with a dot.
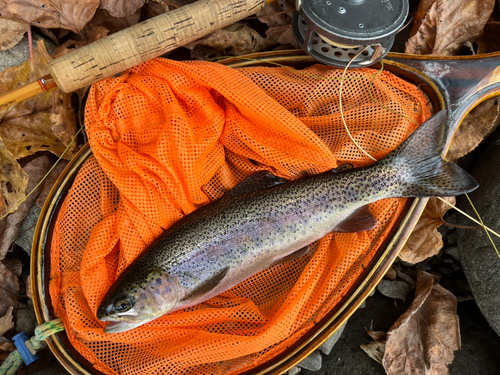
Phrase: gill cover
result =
(134, 301)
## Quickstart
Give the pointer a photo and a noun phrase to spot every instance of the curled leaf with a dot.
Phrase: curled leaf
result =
(425, 241)
(423, 339)
(476, 126)
(447, 25)
(12, 32)
(375, 350)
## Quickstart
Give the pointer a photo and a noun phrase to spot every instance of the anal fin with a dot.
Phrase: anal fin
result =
(359, 221)
(297, 254)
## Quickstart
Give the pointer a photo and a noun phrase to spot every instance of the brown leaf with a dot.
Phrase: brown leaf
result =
(375, 350)
(174, 3)
(425, 241)
(90, 36)
(6, 345)
(13, 182)
(17, 76)
(6, 321)
(71, 15)
(9, 289)
(278, 16)
(50, 181)
(121, 8)
(35, 124)
(102, 18)
(448, 24)
(476, 126)
(12, 32)
(237, 38)
(377, 335)
(26, 135)
(423, 339)
(14, 265)
(36, 170)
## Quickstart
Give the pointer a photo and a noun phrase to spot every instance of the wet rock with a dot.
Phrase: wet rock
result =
(453, 252)
(479, 260)
(294, 371)
(328, 345)
(393, 289)
(313, 362)
(20, 53)
(25, 320)
(26, 232)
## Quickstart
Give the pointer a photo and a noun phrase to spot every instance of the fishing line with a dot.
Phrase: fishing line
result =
(44, 177)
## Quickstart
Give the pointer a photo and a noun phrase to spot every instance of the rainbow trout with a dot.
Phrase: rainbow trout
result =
(266, 220)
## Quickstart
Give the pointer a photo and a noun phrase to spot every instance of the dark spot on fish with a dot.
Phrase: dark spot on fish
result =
(167, 289)
(142, 307)
(144, 296)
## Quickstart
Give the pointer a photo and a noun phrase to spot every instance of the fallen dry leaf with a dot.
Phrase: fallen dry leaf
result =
(174, 3)
(6, 345)
(121, 8)
(14, 265)
(476, 126)
(278, 17)
(13, 183)
(28, 287)
(36, 170)
(93, 35)
(102, 18)
(448, 24)
(44, 122)
(375, 350)
(50, 181)
(425, 241)
(26, 135)
(71, 15)
(423, 339)
(6, 321)
(9, 289)
(238, 39)
(12, 32)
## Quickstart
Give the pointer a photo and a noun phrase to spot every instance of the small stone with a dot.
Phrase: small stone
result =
(328, 345)
(391, 274)
(294, 371)
(20, 52)
(25, 320)
(393, 289)
(313, 362)
(27, 230)
(453, 252)
(451, 238)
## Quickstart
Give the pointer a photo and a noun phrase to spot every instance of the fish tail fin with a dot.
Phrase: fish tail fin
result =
(422, 170)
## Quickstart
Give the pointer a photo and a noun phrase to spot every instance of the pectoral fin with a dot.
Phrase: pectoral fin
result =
(208, 285)
(359, 221)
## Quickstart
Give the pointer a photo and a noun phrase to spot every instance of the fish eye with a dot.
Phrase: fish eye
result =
(123, 303)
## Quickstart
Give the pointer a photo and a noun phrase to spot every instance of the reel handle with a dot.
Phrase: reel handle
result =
(147, 40)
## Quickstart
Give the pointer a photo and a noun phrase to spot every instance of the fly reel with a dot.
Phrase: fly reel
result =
(335, 31)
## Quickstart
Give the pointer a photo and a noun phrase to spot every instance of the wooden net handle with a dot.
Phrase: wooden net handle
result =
(147, 40)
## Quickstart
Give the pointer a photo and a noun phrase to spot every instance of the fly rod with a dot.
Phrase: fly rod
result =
(135, 45)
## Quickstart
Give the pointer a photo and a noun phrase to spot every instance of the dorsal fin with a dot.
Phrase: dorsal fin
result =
(208, 285)
(258, 181)
(359, 221)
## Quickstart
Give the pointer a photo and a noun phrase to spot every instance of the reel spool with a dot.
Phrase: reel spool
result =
(334, 31)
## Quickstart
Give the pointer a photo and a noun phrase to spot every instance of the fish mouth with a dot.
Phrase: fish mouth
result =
(117, 327)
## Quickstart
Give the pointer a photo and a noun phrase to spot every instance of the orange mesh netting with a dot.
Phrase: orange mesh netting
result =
(168, 137)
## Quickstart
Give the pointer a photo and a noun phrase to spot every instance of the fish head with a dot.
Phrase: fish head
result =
(134, 300)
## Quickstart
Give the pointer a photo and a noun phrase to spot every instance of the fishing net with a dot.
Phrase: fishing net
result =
(168, 137)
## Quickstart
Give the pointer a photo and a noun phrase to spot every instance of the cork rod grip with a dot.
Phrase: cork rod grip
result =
(147, 40)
